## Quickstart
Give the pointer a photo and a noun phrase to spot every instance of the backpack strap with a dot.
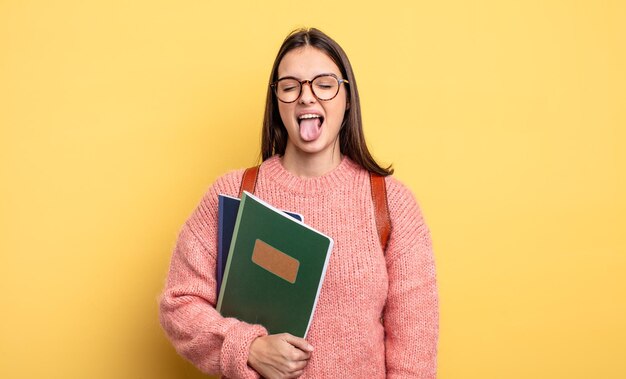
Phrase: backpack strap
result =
(379, 198)
(248, 183)
(381, 209)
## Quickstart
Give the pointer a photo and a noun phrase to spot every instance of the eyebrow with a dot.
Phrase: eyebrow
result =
(315, 76)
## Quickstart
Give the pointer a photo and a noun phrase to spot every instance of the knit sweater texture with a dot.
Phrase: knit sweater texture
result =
(377, 313)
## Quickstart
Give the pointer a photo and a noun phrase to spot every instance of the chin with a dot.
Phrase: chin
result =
(309, 150)
(316, 147)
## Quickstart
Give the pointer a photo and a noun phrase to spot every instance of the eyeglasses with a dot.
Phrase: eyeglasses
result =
(324, 87)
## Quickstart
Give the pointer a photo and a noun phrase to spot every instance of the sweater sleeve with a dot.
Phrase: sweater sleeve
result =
(411, 315)
(214, 344)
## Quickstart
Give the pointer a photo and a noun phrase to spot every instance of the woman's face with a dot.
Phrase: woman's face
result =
(312, 124)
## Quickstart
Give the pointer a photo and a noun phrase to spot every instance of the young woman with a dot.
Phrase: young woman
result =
(377, 313)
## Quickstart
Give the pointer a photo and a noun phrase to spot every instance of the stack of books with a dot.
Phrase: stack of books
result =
(270, 265)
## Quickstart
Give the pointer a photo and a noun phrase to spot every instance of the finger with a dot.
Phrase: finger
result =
(300, 356)
(294, 366)
(294, 354)
(296, 374)
(298, 342)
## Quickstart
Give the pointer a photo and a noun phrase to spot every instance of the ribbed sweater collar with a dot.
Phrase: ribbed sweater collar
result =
(344, 173)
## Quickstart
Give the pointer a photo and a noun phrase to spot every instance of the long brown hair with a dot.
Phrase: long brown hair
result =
(351, 138)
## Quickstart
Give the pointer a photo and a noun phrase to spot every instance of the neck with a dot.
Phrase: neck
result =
(310, 165)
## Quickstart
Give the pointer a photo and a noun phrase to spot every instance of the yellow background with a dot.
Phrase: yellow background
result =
(506, 118)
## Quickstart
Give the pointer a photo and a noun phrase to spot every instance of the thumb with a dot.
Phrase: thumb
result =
(298, 342)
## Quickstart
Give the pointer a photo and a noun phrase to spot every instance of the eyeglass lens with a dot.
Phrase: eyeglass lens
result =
(324, 87)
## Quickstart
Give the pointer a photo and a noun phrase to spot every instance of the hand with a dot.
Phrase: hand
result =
(279, 356)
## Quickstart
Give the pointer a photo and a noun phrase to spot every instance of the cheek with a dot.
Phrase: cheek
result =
(338, 110)
(342, 102)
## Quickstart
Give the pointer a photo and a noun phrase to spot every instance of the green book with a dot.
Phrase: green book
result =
(275, 269)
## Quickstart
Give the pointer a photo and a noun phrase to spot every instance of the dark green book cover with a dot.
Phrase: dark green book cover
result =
(275, 269)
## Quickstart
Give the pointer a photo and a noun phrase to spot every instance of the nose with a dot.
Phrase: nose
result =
(307, 96)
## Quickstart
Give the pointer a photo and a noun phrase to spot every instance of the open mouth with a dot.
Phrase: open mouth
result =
(310, 126)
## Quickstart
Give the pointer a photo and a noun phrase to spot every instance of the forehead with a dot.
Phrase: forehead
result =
(306, 62)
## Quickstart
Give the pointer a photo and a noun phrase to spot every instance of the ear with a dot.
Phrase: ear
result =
(347, 104)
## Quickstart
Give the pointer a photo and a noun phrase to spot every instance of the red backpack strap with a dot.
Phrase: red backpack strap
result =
(381, 209)
(248, 182)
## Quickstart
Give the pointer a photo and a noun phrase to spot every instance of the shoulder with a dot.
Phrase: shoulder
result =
(409, 230)
(396, 186)
(403, 205)
(399, 194)
(206, 210)
(228, 183)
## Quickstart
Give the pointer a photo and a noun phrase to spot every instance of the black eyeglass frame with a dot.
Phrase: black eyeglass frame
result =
(274, 85)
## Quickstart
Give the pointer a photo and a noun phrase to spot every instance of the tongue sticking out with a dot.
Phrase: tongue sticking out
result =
(310, 129)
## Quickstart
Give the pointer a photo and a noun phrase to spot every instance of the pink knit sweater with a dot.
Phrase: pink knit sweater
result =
(377, 314)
